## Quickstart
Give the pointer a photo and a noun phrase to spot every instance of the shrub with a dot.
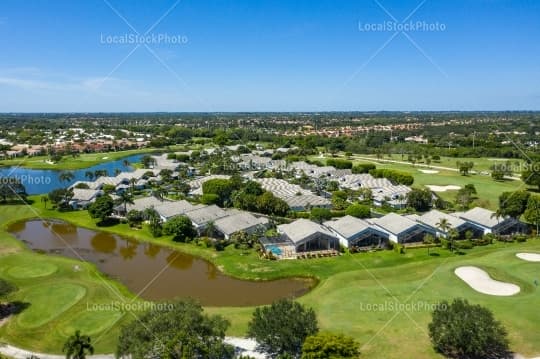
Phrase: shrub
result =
(465, 244)
(339, 163)
(209, 198)
(320, 214)
(358, 210)
(363, 167)
(396, 177)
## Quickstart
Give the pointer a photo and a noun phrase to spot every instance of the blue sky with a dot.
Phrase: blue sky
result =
(269, 55)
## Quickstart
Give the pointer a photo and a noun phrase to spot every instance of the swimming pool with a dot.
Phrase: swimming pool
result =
(274, 249)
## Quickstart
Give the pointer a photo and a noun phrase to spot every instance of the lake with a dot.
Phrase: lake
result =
(44, 181)
(151, 271)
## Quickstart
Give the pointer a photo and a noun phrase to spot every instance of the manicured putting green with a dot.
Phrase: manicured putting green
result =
(90, 322)
(35, 270)
(49, 301)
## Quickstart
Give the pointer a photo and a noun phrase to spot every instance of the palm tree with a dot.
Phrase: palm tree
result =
(453, 234)
(66, 176)
(160, 193)
(126, 163)
(117, 171)
(429, 240)
(78, 346)
(126, 198)
(44, 200)
(443, 225)
(132, 182)
(89, 175)
(100, 173)
(498, 214)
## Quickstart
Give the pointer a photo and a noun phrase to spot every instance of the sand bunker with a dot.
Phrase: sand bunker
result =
(480, 281)
(429, 171)
(530, 257)
(436, 188)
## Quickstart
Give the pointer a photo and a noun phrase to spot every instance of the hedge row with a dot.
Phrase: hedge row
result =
(396, 177)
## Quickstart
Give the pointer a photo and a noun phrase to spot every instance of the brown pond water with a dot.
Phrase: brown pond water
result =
(154, 272)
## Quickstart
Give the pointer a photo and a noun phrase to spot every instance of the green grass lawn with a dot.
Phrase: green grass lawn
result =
(85, 160)
(480, 164)
(488, 189)
(349, 289)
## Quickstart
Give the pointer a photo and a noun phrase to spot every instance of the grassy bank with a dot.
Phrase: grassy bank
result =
(358, 294)
(85, 160)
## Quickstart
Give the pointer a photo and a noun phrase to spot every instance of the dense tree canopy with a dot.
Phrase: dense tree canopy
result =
(11, 189)
(102, 208)
(320, 214)
(419, 199)
(513, 204)
(222, 188)
(358, 210)
(466, 331)
(175, 330)
(181, 228)
(282, 327)
(531, 174)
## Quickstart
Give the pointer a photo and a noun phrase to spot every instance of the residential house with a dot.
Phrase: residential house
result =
(306, 236)
(355, 232)
(241, 221)
(401, 229)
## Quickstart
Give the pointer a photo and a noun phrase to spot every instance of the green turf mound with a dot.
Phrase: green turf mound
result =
(39, 269)
(90, 322)
(49, 301)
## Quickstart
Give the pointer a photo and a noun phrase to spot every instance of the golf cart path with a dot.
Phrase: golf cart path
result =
(243, 346)
(17, 353)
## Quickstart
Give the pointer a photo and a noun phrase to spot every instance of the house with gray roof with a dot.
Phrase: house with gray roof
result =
(433, 218)
(302, 202)
(306, 235)
(487, 222)
(401, 229)
(89, 184)
(139, 204)
(200, 217)
(82, 198)
(240, 221)
(106, 180)
(170, 209)
(355, 232)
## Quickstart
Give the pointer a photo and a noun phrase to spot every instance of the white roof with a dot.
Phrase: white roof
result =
(206, 214)
(301, 229)
(433, 217)
(140, 204)
(240, 221)
(395, 223)
(348, 226)
(481, 216)
(80, 194)
(175, 208)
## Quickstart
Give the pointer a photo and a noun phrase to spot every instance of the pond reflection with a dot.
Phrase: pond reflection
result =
(154, 272)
